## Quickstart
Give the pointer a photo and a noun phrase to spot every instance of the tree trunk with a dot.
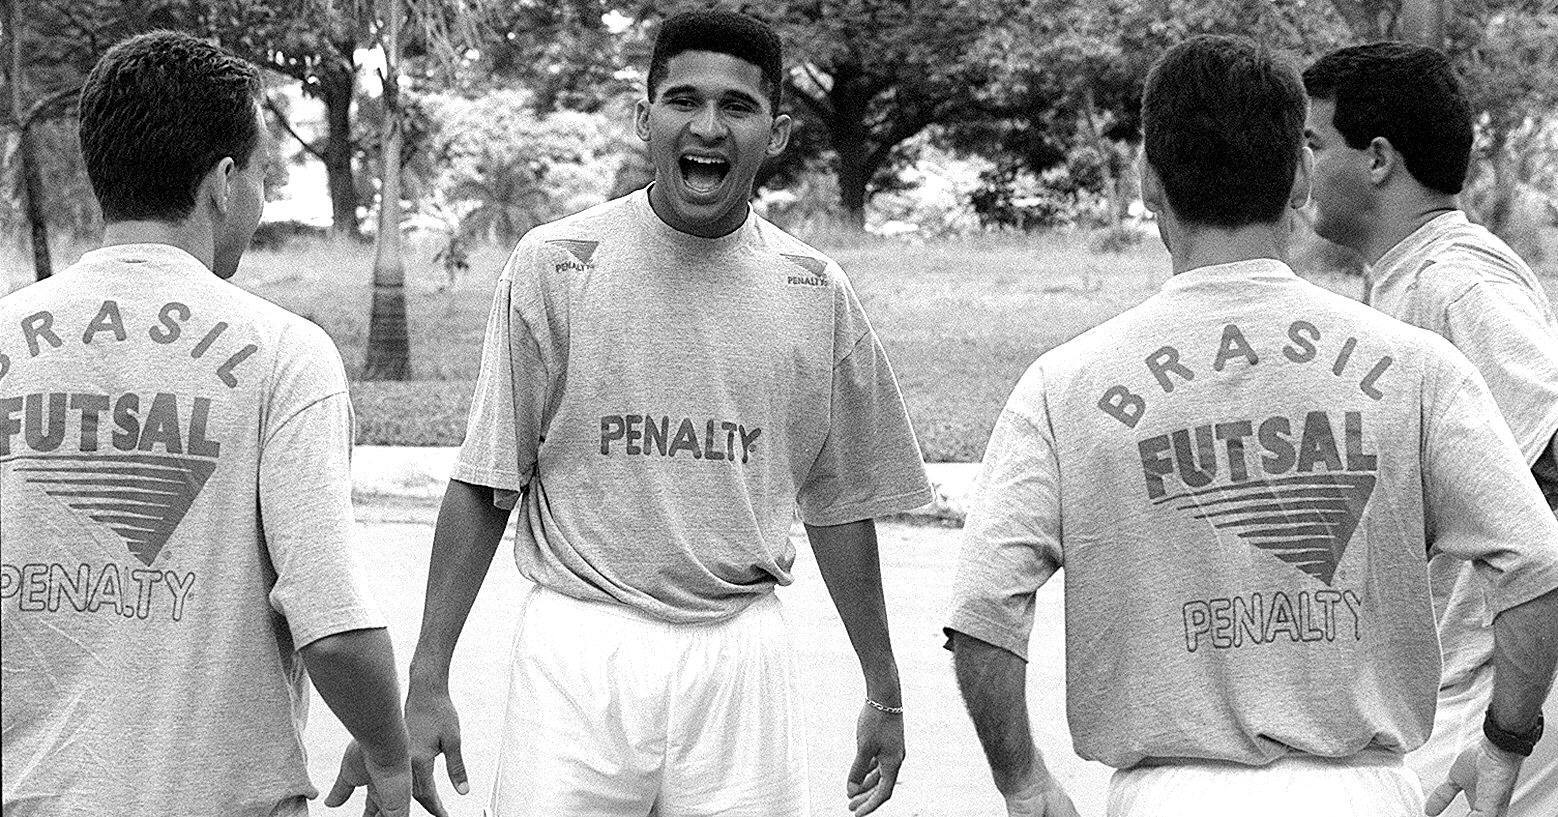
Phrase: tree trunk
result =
(336, 84)
(27, 150)
(1105, 157)
(847, 134)
(389, 343)
(1422, 21)
(32, 175)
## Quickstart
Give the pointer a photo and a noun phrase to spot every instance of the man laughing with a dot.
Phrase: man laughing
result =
(664, 377)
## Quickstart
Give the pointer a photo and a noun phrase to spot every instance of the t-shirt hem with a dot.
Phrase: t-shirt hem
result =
(1541, 581)
(342, 621)
(872, 508)
(974, 624)
(477, 475)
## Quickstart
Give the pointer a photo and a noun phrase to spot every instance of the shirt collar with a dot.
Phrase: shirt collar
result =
(688, 241)
(1407, 247)
(1250, 269)
(162, 257)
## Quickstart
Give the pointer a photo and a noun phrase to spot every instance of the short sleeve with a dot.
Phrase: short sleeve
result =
(1481, 502)
(503, 429)
(870, 463)
(1513, 344)
(1011, 538)
(305, 491)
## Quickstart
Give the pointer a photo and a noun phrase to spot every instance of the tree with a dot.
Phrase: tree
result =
(54, 50)
(443, 31)
(314, 42)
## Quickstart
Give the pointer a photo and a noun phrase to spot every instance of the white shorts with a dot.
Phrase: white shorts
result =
(613, 712)
(1293, 786)
(1458, 724)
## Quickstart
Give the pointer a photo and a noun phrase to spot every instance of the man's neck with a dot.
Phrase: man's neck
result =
(1399, 222)
(183, 235)
(1207, 246)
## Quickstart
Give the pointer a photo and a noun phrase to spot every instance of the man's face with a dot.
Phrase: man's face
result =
(709, 129)
(1344, 197)
(245, 204)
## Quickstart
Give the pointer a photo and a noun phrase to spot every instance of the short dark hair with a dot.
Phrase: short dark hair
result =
(1223, 123)
(1408, 94)
(158, 111)
(723, 32)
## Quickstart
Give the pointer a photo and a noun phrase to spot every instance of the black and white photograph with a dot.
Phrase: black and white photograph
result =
(778, 408)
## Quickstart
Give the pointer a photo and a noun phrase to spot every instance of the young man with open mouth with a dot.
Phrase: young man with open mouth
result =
(664, 377)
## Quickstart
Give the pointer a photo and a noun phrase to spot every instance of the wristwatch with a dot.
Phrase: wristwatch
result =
(1512, 742)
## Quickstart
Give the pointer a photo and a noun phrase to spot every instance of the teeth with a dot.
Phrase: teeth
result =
(704, 160)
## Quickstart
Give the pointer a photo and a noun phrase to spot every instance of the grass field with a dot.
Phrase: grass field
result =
(960, 318)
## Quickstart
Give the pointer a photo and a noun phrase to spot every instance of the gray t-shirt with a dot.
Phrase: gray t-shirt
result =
(1460, 281)
(664, 400)
(175, 507)
(1243, 478)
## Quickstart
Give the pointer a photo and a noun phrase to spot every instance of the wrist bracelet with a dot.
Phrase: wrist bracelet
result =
(1517, 744)
(891, 710)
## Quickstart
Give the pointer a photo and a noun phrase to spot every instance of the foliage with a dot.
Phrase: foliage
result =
(503, 168)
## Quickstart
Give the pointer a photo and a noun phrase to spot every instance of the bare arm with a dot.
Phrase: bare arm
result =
(1525, 654)
(847, 557)
(466, 537)
(355, 674)
(1546, 473)
(994, 686)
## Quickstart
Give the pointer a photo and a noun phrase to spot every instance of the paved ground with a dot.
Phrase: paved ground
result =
(945, 775)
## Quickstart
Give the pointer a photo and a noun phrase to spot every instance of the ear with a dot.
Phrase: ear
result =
(641, 119)
(1383, 159)
(217, 186)
(1152, 196)
(779, 134)
(1303, 180)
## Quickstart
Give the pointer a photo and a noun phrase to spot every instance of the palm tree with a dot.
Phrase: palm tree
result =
(444, 28)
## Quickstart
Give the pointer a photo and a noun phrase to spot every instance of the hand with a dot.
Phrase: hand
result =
(1486, 773)
(434, 727)
(879, 755)
(389, 784)
(1040, 795)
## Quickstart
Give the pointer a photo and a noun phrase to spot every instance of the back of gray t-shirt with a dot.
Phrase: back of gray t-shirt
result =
(175, 507)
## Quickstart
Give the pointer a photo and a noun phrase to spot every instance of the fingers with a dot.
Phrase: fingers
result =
(1441, 798)
(879, 793)
(456, 765)
(1062, 806)
(423, 788)
(341, 791)
(865, 760)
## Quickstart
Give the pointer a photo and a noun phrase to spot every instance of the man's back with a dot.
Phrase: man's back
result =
(154, 421)
(1247, 468)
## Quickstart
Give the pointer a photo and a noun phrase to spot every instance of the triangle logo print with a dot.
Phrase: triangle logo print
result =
(1306, 521)
(582, 250)
(140, 497)
(815, 267)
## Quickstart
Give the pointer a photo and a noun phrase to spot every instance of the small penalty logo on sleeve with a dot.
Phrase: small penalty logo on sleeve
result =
(815, 268)
(581, 254)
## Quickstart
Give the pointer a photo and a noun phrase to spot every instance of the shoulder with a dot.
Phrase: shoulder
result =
(39, 295)
(802, 262)
(580, 234)
(1467, 259)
